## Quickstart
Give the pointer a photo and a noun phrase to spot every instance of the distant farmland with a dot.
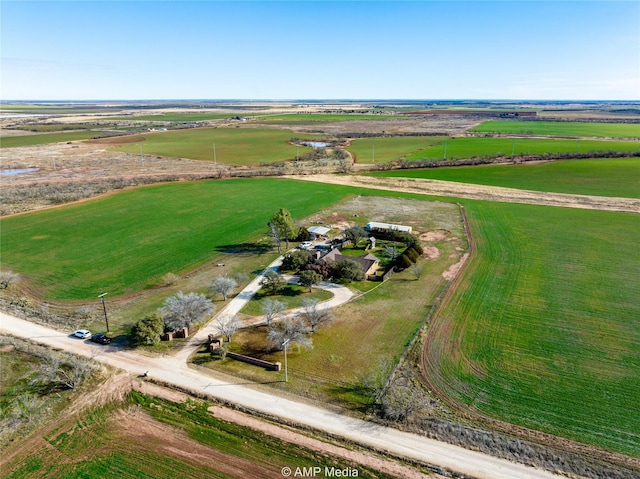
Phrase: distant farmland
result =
(543, 330)
(43, 139)
(236, 146)
(491, 147)
(559, 128)
(178, 117)
(316, 117)
(601, 177)
(386, 149)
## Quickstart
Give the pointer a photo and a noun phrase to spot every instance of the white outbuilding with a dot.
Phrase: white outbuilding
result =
(385, 227)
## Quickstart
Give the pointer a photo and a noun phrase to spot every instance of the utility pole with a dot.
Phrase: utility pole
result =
(286, 375)
(104, 307)
(444, 157)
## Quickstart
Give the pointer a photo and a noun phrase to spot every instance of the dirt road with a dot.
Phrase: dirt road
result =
(172, 370)
(480, 192)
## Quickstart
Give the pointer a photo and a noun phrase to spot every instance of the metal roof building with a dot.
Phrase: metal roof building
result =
(375, 226)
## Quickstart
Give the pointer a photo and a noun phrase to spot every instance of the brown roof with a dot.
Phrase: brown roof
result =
(365, 262)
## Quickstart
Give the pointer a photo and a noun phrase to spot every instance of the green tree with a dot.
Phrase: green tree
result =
(148, 330)
(347, 271)
(309, 278)
(355, 234)
(284, 224)
(272, 282)
(295, 260)
(404, 262)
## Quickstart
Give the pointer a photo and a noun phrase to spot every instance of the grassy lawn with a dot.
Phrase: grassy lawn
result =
(489, 147)
(236, 146)
(126, 242)
(559, 128)
(292, 295)
(384, 150)
(42, 139)
(600, 177)
(376, 327)
(543, 331)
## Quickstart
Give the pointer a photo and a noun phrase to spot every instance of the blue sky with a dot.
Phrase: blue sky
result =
(81, 50)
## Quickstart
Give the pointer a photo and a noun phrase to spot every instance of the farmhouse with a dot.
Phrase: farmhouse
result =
(369, 263)
(374, 226)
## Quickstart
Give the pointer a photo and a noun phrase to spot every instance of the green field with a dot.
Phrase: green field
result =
(188, 441)
(559, 128)
(29, 140)
(59, 127)
(544, 329)
(490, 147)
(601, 177)
(384, 150)
(126, 242)
(237, 146)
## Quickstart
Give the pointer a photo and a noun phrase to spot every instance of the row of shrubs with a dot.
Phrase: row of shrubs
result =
(409, 257)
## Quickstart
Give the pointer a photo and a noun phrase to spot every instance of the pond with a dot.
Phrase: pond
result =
(316, 144)
(18, 171)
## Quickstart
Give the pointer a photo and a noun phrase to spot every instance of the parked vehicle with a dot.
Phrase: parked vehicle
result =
(82, 333)
(306, 245)
(101, 338)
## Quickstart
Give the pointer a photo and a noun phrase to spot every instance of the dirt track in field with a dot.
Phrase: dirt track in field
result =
(480, 192)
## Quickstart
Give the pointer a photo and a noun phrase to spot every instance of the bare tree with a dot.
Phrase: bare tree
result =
(292, 329)
(185, 309)
(271, 308)
(313, 315)
(376, 379)
(7, 278)
(241, 277)
(169, 279)
(26, 406)
(223, 285)
(275, 236)
(66, 371)
(392, 252)
(227, 326)
(416, 269)
(403, 397)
